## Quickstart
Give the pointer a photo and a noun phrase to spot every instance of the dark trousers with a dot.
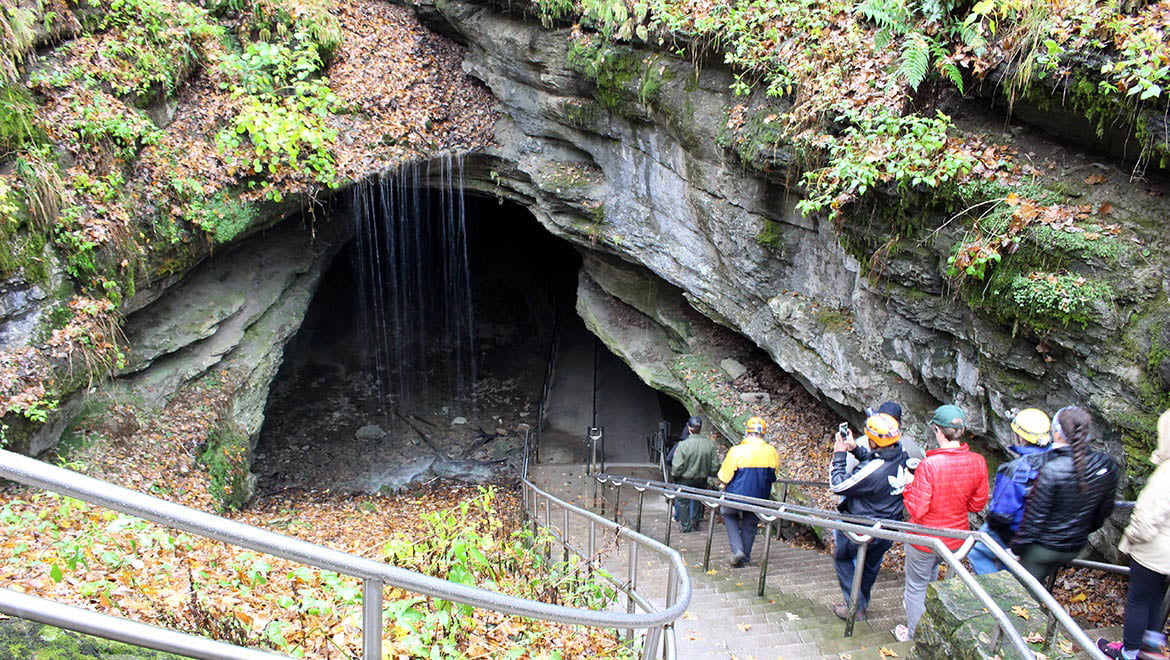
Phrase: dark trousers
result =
(844, 560)
(688, 513)
(1143, 604)
(741, 530)
(1043, 562)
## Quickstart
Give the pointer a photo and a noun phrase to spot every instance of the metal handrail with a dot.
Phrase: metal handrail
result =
(374, 574)
(81, 620)
(861, 530)
(546, 388)
(678, 588)
(1117, 504)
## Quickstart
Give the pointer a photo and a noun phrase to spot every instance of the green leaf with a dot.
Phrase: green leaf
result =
(56, 574)
(915, 61)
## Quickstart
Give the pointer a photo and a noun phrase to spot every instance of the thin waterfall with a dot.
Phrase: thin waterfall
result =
(414, 277)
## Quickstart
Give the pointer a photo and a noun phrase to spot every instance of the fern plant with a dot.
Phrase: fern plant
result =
(920, 24)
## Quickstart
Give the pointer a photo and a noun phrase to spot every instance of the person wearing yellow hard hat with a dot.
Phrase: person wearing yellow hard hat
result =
(748, 469)
(1013, 480)
(873, 489)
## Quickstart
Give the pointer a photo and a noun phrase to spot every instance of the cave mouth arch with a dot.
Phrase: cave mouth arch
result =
(328, 421)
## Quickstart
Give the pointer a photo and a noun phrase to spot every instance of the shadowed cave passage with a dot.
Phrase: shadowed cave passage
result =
(330, 422)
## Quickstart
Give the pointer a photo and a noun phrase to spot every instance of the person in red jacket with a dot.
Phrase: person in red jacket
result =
(949, 483)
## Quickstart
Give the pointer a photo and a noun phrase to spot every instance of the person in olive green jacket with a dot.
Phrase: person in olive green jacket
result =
(693, 463)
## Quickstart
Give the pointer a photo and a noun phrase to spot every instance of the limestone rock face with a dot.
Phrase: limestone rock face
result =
(233, 313)
(631, 166)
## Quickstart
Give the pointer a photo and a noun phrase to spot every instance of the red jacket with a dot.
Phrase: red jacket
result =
(948, 484)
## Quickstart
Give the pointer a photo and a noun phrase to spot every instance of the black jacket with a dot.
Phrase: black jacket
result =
(1057, 513)
(874, 488)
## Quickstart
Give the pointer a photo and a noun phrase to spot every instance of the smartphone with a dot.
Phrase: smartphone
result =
(843, 430)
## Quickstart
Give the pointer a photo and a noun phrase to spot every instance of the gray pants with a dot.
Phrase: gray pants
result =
(921, 570)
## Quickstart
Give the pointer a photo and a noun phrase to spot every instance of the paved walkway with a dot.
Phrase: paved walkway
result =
(726, 619)
(626, 407)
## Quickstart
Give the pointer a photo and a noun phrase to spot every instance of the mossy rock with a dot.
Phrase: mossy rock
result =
(627, 81)
(228, 460)
(29, 640)
(956, 626)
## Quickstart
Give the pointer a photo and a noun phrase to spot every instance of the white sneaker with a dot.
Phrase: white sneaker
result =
(901, 633)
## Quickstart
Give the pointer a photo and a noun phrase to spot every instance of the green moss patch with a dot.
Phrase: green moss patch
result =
(35, 641)
(227, 460)
(627, 81)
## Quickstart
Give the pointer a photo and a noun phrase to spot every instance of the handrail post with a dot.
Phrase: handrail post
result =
(650, 644)
(767, 551)
(669, 514)
(641, 500)
(855, 588)
(371, 619)
(565, 536)
(600, 504)
(592, 540)
(710, 535)
(617, 500)
(1050, 624)
(548, 527)
(632, 578)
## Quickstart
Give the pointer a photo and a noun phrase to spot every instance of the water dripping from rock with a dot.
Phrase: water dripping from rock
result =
(414, 282)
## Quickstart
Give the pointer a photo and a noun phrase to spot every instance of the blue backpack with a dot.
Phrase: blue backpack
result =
(1013, 480)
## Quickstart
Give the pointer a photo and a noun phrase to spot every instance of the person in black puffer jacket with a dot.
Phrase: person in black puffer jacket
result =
(1072, 497)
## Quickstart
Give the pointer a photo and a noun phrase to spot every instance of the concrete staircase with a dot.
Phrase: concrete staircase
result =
(726, 619)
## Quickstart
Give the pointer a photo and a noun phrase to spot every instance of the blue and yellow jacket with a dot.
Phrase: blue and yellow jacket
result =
(750, 468)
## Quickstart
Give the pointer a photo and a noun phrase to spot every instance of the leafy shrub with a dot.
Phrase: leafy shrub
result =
(904, 152)
(220, 215)
(469, 544)
(282, 136)
(145, 48)
(309, 20)
(99, 121)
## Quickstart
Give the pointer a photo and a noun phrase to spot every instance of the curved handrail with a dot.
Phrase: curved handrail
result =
(35, 473)
(897, 531)
(683, 598)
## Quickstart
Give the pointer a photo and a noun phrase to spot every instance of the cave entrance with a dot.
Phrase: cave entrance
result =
(344, 413)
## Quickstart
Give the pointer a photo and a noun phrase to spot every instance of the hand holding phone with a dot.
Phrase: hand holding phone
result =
(840, 441)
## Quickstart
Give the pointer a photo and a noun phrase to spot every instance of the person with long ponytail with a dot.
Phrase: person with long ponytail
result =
(1072, 497)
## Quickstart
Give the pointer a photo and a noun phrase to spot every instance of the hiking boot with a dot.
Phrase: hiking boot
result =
(1112, 649)
(1152, 643)
(738, 560)
(842, 612)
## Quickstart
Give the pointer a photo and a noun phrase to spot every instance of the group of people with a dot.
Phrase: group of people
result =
(748, 469)
(1045, 502)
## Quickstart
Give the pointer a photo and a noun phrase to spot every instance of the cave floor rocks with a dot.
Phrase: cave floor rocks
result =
(326, 430)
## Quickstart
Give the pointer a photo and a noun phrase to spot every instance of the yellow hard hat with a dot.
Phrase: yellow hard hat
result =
(1033, 426)
(882, 429)
(756, 425)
